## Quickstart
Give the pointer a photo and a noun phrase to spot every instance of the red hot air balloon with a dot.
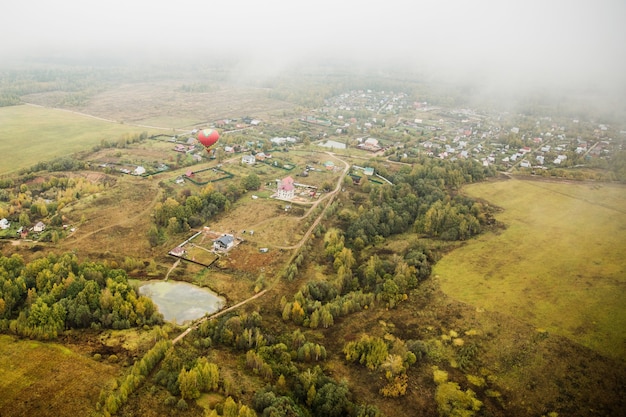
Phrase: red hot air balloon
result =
(208, 137)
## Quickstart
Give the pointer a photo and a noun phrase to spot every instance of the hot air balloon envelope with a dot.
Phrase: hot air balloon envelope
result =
(208, 137)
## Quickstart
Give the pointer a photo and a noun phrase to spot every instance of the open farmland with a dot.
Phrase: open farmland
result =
(30, 134)
(167, 105)
(559, 264)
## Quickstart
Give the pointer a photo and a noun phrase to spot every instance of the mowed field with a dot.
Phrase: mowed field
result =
(47, 373)
(559, 263)
(30, 134)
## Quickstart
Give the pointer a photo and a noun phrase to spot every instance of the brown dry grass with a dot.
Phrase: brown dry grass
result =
(47, 379)
(161, 104)
(272, 225)
(116, 221)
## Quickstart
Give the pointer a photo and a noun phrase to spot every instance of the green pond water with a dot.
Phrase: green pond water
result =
(179, 301)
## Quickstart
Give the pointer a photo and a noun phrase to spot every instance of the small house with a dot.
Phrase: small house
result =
(248, 159)
(224, 243)
(329, 165)
(139, 171)
(4, 224)
(178, 251)
(262, 156)
(39, 227)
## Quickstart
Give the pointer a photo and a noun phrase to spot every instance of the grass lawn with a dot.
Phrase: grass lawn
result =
(559, 264)
(30, 134)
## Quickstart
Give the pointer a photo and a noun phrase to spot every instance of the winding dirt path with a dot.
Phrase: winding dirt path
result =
(172, 268)
(216, 315)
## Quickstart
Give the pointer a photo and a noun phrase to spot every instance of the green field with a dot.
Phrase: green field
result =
(559, 263)
(30, 134)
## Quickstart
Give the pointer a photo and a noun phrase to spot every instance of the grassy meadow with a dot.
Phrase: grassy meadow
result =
(30, 134)
(558, 264)
(32, 370)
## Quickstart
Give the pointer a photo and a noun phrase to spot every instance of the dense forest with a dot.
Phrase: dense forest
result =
(46, 296)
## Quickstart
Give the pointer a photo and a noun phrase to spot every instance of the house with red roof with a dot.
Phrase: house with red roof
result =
(286, 190)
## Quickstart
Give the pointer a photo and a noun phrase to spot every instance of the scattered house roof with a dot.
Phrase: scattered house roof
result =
(178, 251)
(39, 227)
(286, 188)
(248, 159)
(139, 171)
(280, 141)
(223, 243)
(371, 142)
(4, 224)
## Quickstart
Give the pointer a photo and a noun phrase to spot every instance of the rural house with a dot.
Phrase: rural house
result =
(286, 189)
(39, 227)
(178, 251)
(224, 243)
(248, 159)
(139, 171)
(4, 224)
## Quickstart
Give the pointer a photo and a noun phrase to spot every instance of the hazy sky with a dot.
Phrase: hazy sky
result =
(571, 40)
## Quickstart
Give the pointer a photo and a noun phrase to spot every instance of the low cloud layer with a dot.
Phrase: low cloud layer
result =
(575, 42)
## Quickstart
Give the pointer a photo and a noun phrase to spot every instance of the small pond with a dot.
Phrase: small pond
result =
(179, 301)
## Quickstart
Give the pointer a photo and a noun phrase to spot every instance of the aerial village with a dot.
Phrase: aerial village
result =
(384, 125)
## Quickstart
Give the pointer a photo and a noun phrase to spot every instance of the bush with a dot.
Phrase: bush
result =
(171, 401)
(182, 405)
